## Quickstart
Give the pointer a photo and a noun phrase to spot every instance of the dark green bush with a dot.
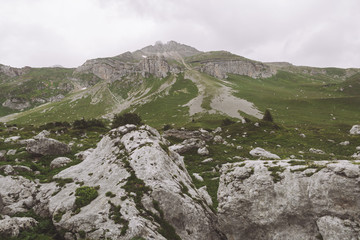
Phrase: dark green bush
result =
(84, 124)
(167, 127)
(84, 196)
(227, 122)
(267, 116)
(126, 118)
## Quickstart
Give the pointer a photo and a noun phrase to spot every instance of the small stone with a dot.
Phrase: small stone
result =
(198, 177)
(203, 151)
(345, 143)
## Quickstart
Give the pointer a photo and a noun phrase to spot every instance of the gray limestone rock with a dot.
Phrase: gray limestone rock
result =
(17, 194)
(47, 146)
(11, 227)
(221, 68)
(59, 162)
(138, 153)
(355, 130)
(16, 103)
(294, 205)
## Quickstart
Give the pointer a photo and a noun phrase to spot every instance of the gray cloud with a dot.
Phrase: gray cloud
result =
(68, 32)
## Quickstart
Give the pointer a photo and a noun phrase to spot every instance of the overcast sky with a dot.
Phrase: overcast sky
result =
(68, 32)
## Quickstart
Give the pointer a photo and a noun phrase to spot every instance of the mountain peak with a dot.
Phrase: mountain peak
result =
(169, 47)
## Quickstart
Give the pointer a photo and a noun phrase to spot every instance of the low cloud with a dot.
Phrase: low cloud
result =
(49, 32)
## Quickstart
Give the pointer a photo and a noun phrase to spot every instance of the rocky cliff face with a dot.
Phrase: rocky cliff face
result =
(279, 200)
(12, 72)
(221, 68)
(112, 69)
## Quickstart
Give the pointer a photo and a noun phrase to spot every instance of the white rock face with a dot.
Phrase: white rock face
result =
(84, 154)
(356, 155)
(355, 130)
(123, 155)
(262, 153)
(11, 227)
(345, 143)
(59, 162)
(301, 205)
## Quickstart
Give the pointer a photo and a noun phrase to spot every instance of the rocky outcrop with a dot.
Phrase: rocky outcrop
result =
(16, 103)
(16, 193)
(221, 68)
(187, 134)
(142, 190)
(11, 227)
(154, 65)
(282, 200)
(47, 146)
(188, 145)
(12, 72)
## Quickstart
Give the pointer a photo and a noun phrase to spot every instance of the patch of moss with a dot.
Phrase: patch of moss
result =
(84, 196)
(275, 170)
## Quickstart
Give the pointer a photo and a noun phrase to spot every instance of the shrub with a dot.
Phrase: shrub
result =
(126, 118)
(84, 124)
(267, 116)
(227, 122)
(167, 127)
(84, 196)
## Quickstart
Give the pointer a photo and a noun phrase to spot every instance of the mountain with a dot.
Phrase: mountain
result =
(197, 160)
(173, 83)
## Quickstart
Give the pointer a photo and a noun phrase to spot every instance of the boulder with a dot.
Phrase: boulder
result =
(355, 130)
(47, 146)
(262, 153)
(11, 227)
(282, 202)
(59, 162)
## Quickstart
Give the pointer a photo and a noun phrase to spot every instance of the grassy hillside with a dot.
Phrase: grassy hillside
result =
(296, 99)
